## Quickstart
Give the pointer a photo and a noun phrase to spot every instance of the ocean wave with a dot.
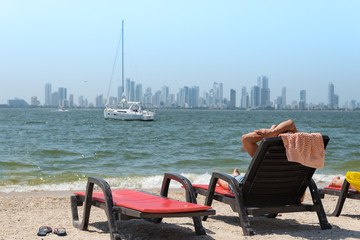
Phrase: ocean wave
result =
(132, 182)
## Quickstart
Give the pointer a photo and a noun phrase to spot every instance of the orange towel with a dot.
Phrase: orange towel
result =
(305, 148)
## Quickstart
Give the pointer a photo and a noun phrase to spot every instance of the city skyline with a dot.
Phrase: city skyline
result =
(257, 97)
(298, 45)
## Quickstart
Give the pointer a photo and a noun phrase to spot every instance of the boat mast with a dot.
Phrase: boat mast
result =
(122, 59)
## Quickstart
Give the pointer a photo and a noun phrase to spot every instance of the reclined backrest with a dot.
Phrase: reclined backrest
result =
(271, 180)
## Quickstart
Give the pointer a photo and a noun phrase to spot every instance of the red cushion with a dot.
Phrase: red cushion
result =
(339, 189)
(145, 202)
(218, 189)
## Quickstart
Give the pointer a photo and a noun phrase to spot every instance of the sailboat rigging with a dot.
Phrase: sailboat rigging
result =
(126, 110)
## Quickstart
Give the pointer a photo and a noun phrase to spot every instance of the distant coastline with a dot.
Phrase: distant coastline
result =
(197, 108)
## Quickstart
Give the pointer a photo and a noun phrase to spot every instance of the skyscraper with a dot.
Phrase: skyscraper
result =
(263, 83)
(331, 94)
(183, 100)
(217, 94)
(139, 93)
(232, 99)
(336, 101)
(165, 95)
(48, 94)
(127, 91)
(99, 101)
(148, 97)
(62, 97)
(194, 97)
(302, 102)
(132, 91)
(71, 100)
(255, 97)
(244, 102)
(55, 100)
(283, 98)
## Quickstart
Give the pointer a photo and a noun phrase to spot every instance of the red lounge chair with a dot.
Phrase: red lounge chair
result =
(271, 185)
(128, 204)
(342, 193)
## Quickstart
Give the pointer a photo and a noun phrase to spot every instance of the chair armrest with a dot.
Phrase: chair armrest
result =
(105, 187)
(223, 176)
(189, 190)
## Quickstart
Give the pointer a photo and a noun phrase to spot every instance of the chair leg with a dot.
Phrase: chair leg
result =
(244, 221)
(75, 202)
(317, 201)
(210, 193)
(199, 229)
(341, 199)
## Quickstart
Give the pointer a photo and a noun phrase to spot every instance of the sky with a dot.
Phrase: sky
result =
(300, 45)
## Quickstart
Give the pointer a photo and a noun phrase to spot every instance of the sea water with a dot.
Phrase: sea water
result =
(47, 149)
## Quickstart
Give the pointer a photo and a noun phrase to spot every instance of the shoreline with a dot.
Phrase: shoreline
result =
(23, 214)
(137, 182)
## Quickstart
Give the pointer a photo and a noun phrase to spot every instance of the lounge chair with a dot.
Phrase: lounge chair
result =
(342, 193)
(271, 185)
(125, 204)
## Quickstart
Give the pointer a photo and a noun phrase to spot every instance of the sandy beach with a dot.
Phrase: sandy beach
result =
(23, 213)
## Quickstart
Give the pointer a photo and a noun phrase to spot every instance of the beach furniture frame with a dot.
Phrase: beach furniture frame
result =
(125, 204)
(270, 186)
(342, 194)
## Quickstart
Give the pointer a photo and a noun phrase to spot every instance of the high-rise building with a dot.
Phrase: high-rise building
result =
(165, 95)
(283, 98)
(194, 97)
(132, 91)
(302, 102)
(55, 100)
(263, 83)
(81, 102)
(127, 92)
(278, 103)
(221, 94)
(172, 99)
(157, 99)
(255, 97)
(331, 94)
(71, 100)
(138, 93)
(99, 101)
(183, 99)
(48, 94)
(244, 102)
(336, 101)
(232, 99)
(148, 97)
(217, 94)
(62, 97)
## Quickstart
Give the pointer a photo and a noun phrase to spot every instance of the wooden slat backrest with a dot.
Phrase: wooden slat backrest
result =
(271, 180)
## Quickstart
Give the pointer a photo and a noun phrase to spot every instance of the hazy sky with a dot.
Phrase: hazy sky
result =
(72, 44)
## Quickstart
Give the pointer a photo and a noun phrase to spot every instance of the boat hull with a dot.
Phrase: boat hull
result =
(128, 116)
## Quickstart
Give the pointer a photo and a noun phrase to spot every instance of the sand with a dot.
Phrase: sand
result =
(22, 214)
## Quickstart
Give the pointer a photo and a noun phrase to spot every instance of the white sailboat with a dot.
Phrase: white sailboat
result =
(127, 110)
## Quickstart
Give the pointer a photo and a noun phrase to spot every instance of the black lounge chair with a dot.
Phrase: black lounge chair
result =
(125, 204)
(271, 185)
(342, 193)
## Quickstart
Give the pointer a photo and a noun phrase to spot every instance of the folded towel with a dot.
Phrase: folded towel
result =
(354, 179)
(305, 148)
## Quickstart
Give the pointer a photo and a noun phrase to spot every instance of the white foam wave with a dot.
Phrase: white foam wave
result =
(135, 182)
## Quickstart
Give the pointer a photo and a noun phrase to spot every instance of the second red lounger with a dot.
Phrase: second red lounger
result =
(125, 204)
